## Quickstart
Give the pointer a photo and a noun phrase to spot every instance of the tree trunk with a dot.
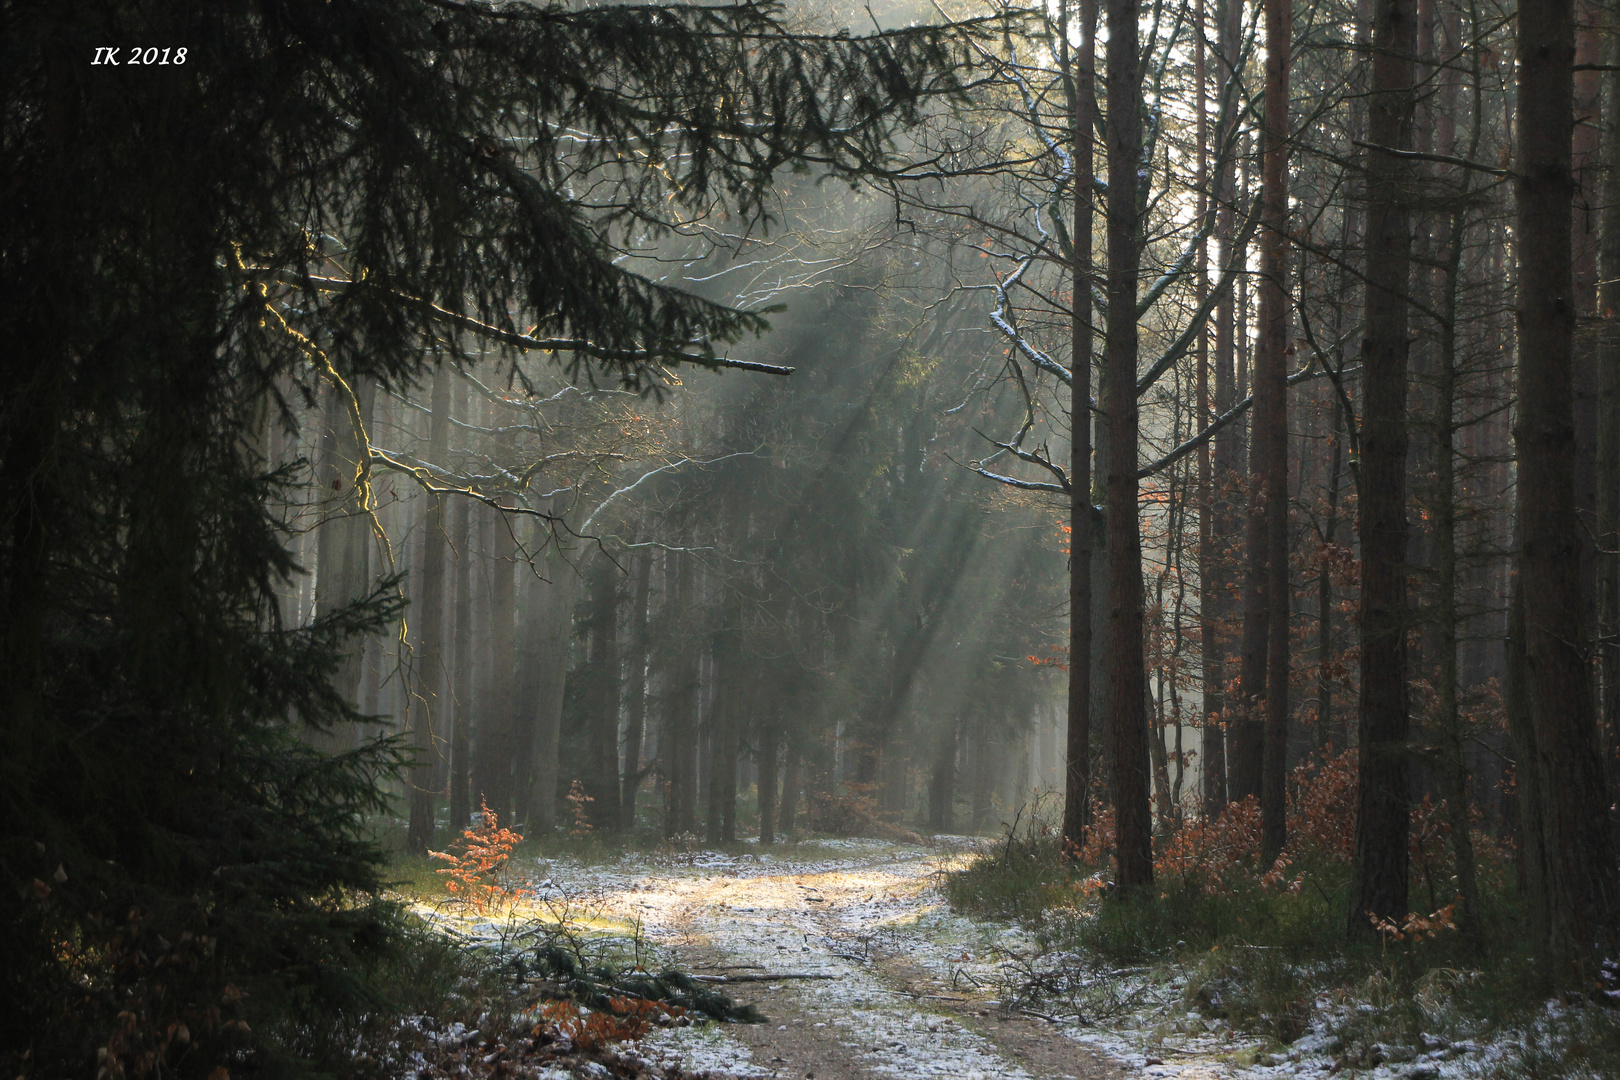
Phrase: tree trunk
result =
(1248, 733)
(896, 772)
(1453, 764)
(461, 668)
(1212, 760)
(1586, 167)
(1220, 730)
(983, 755)
(770, 738)
(723, 718)
(1271, 388)
(1080, 77)
(729, 760)
(1379, 872)
(787, 818)
(635, 694)
(1526, 804)
(495, 739)
(678, 744)
(1324, 595)
(1127, 677)
(602, 708)
(1159, 755)
(428, 664)
(1579, 881)
(1608, 430)
(942, 783)
(548, 636)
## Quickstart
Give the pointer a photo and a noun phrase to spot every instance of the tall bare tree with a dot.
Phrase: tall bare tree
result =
(1573, 880)
(1379, 874)
(1227, 445)
(1608, 427)
(428, 611)
(1079, 84)
(1270, 432)
(1126, 672)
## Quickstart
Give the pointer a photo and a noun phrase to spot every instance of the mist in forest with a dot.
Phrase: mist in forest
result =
(737, 605)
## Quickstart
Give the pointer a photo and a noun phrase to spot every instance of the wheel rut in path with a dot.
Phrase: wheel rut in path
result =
(880, 1005)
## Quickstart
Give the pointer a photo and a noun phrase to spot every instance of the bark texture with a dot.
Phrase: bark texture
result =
(1126, 673)
(427, 665)
(1379, 872)
(1271, 434)
(1577, 886)
(1081, 86)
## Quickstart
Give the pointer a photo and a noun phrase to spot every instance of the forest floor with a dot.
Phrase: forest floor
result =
(862, 970)
(883, 979)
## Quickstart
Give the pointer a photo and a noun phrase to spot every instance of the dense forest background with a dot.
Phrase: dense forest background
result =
(713, 422)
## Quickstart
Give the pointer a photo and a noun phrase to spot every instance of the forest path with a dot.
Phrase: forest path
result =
(900, 987)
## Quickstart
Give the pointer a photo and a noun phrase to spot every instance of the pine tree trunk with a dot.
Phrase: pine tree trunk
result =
(602, 737)
(1379, 872)
(428, 663)
(1248, 733)
(983, 756)
(1080, 77)
(1209, 728)
(1608, 429)
(1126, 673)
(1586, 167)
(679, 741)
(770, 738)
(729, 759)
(1271, 391)
(787, 818)
(722, 743)
(1453, 766)
(1220, 723)
(1525, 807)
(1159, 757)
(495, 738)
(1324, 595)
(635, 694)
(548, 636)
(461, 668)
(942, 783)
(1579, 883)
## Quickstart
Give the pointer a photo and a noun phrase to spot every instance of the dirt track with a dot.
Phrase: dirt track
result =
(893, 990)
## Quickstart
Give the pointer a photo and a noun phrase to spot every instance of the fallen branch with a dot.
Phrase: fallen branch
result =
(761, 977)
(1038, 1016)
(922, 997)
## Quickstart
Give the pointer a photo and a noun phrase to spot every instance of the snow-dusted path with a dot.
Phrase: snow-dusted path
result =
(902, 988)
(893, 985)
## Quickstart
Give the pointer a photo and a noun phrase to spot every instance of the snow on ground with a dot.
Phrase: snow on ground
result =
(840, 910)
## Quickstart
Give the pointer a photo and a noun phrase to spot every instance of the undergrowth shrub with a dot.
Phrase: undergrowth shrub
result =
(1259, 942)
(1257, 987)
(621, 1020)
(476, 877)
(1579, 1043)
(1022, 877)
(856, 814)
